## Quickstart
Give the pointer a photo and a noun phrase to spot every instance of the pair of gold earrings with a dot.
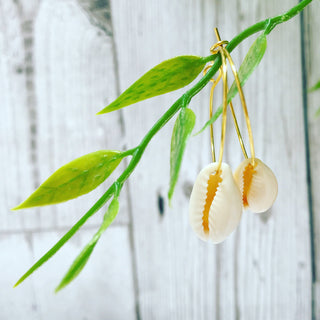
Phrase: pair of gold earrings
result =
(218, 196)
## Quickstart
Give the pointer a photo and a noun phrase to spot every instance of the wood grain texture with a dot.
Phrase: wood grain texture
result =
(274, 259)
(77, 75)
(169, 257)
(15, 146)
(56, 72)
(266, 265)
(65, 75)
(59, 65)
(312, 47)
(103, 286)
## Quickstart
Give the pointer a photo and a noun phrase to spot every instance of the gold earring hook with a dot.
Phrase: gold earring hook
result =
(218, 48)
(243, 102)
(214, 84)
(244, 105)
(210, 115)
(224, 105)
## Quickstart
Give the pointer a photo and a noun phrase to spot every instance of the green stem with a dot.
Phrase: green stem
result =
(266, 25)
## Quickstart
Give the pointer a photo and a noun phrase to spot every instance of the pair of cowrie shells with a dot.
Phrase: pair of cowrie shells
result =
(219, 197)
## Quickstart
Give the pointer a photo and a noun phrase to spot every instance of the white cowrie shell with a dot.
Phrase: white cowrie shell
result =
(258, 185)
(215, 203)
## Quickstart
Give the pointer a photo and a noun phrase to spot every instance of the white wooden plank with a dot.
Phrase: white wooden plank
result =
(263, 254)
(263, 270)
(228, 23)
(104, 289)
(15, 304)
(58, 66)
(16, 173)
(275, 260)
(72, 78)
(312, 47)
(176, 272)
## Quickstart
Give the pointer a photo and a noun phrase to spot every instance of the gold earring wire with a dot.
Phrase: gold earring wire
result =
(243, 102)
(243, 148)
(224, 104)
(214, 84)
(217, 48)
(230, 104)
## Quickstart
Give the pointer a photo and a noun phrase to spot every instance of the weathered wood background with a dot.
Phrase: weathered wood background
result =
(61, 61)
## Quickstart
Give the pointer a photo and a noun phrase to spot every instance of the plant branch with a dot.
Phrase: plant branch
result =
(266, 25)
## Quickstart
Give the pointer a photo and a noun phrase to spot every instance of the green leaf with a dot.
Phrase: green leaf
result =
(181, 132)
(85, 254)
(105, 197)
(74, 179)
(249, 63)
(167, 76)
(317, 114)
(315, 87)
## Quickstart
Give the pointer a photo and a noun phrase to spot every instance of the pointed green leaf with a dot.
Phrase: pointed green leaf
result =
(84, 255)
(317, 114)
(167, 76)
(74, 179)
(106, 196)
(315, 87)
(249, 63)
(181, 132)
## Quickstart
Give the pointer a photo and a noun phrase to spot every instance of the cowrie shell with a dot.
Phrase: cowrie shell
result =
(215, 203)
(258, 185)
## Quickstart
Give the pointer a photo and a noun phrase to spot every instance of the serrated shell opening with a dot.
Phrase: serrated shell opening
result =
(247, 177)
(258, 185)
(212, 187)
(215, 203)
